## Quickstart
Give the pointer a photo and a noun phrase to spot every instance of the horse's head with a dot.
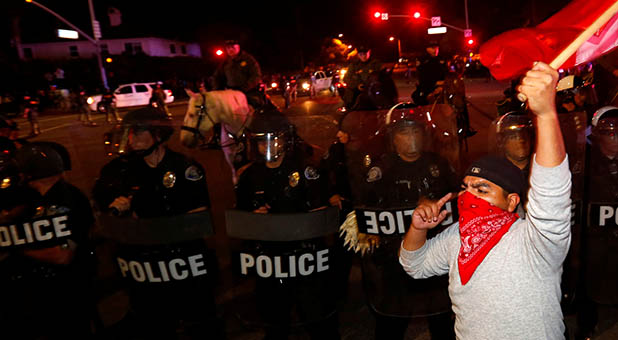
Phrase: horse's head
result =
(197, 120)
(382, 90)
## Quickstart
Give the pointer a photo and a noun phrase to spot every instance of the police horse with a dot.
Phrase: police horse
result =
(206, 109)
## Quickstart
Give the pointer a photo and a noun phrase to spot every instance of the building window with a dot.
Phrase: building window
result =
(27, 53)
(128, 48)
(73, 51)
(104, 49)
(133, 48)
(183, 49)
(172, 49)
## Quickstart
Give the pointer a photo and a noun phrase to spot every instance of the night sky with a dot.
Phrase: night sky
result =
(281, 34)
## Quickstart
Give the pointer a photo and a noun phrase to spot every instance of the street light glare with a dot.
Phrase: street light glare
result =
(28, 0)
(350, 46)
(391, 38)
(340, 35)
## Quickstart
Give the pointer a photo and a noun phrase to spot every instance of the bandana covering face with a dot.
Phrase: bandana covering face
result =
(481, 226)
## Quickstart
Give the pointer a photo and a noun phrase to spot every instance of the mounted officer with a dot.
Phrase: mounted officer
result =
(358, 76)
(240, 71)
(431, 70)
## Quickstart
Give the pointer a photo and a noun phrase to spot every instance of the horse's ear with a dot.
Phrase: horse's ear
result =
(189, 92)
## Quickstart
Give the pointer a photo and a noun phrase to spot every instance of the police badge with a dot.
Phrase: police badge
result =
(169, 179)
(367, 161)
(311, 173)
(434, 170)
(374, 174)
(193, 173)
(294, 178)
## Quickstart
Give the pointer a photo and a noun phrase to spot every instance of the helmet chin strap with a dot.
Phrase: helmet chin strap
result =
(147, 152)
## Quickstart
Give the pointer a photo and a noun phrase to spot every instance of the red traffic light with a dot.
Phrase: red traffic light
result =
(219, 52)
(377, 15)
(417, 15)
(470, 41)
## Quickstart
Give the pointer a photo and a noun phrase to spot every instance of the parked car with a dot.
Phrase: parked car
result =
(313, 83)
(134, 94)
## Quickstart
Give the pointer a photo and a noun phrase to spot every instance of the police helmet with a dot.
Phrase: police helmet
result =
(39, 160)
(513, 122)
(605, 119)
(363, 49)
(270, 136)
(403, 119)
(149, 119)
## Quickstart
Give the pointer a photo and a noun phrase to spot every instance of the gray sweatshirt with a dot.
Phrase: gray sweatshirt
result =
(515, 292)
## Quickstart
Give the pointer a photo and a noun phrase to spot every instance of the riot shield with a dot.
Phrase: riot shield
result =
(413, 165)
(166, 266)
(600, 235)
(573, 127)
(285, 264)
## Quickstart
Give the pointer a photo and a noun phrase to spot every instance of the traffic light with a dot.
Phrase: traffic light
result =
(219, 52)
(377, 15)
(416, 15)
(470, 41)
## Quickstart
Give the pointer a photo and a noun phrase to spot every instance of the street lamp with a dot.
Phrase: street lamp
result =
(340, 35)
(398, 46)
(95, 40)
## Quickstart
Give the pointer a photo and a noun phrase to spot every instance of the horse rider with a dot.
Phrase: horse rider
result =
(240, 71)
(431, 71)
(357, 76)
(149, 179)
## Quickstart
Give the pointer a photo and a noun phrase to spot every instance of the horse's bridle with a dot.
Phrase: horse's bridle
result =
(201, 114)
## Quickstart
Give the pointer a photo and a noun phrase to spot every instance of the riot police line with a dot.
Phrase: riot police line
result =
(152, 250)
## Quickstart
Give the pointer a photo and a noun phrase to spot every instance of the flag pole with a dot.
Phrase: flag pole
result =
(580, 40)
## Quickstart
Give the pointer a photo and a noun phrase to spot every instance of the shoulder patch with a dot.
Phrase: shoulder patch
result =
(193, 173)
(311, 173)
(374, 174)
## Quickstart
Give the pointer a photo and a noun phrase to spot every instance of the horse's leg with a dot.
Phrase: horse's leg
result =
(229, 150)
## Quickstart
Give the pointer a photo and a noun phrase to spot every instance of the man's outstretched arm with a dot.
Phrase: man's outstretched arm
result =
(539, 85)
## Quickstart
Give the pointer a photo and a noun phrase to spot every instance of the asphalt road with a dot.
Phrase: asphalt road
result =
(316, 120)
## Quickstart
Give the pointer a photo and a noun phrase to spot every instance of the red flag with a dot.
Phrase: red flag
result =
(512, 53)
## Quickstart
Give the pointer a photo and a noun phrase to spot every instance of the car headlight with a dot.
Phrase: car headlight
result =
(306, 86)
(90, 100)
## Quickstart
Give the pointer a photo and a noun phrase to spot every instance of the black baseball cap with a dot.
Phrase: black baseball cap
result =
(499, 171)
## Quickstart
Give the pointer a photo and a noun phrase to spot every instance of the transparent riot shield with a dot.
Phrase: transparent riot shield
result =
(512, 136)
(600, 235)
(167, 268)
(284, 264)
(573, 127)
(414, 164)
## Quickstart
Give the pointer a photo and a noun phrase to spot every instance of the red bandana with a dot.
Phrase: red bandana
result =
(481, 226)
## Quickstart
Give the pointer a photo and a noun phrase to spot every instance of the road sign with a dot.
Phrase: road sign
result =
(436, 21)
(67, 34)
(467, 33)
(96, 29)
(384, 16)
(436, 30)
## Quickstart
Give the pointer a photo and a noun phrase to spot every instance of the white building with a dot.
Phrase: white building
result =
(154, 47)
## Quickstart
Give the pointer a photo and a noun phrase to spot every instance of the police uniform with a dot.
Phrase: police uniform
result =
(176, 185)
(430, 70)
(52, 299)
(292, 187)
(241, 73)
(394, 296)
(108, 102)
(358, 74)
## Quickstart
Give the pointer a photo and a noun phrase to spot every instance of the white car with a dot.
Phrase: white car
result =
(321, 81)
(134, 94)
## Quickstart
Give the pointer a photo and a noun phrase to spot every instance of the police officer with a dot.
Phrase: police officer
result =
(49, 269)
(406, 175)
(280, 180)
(149, 179)
(157, 98)
(108, 101)
(240, 71)
(31, 106)
(358, 75)
(431, 71)
(515, 136)
(600, 237)
(81, 103)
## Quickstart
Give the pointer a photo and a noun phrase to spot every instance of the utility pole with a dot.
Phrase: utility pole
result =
(96, 33)
(466, 10)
